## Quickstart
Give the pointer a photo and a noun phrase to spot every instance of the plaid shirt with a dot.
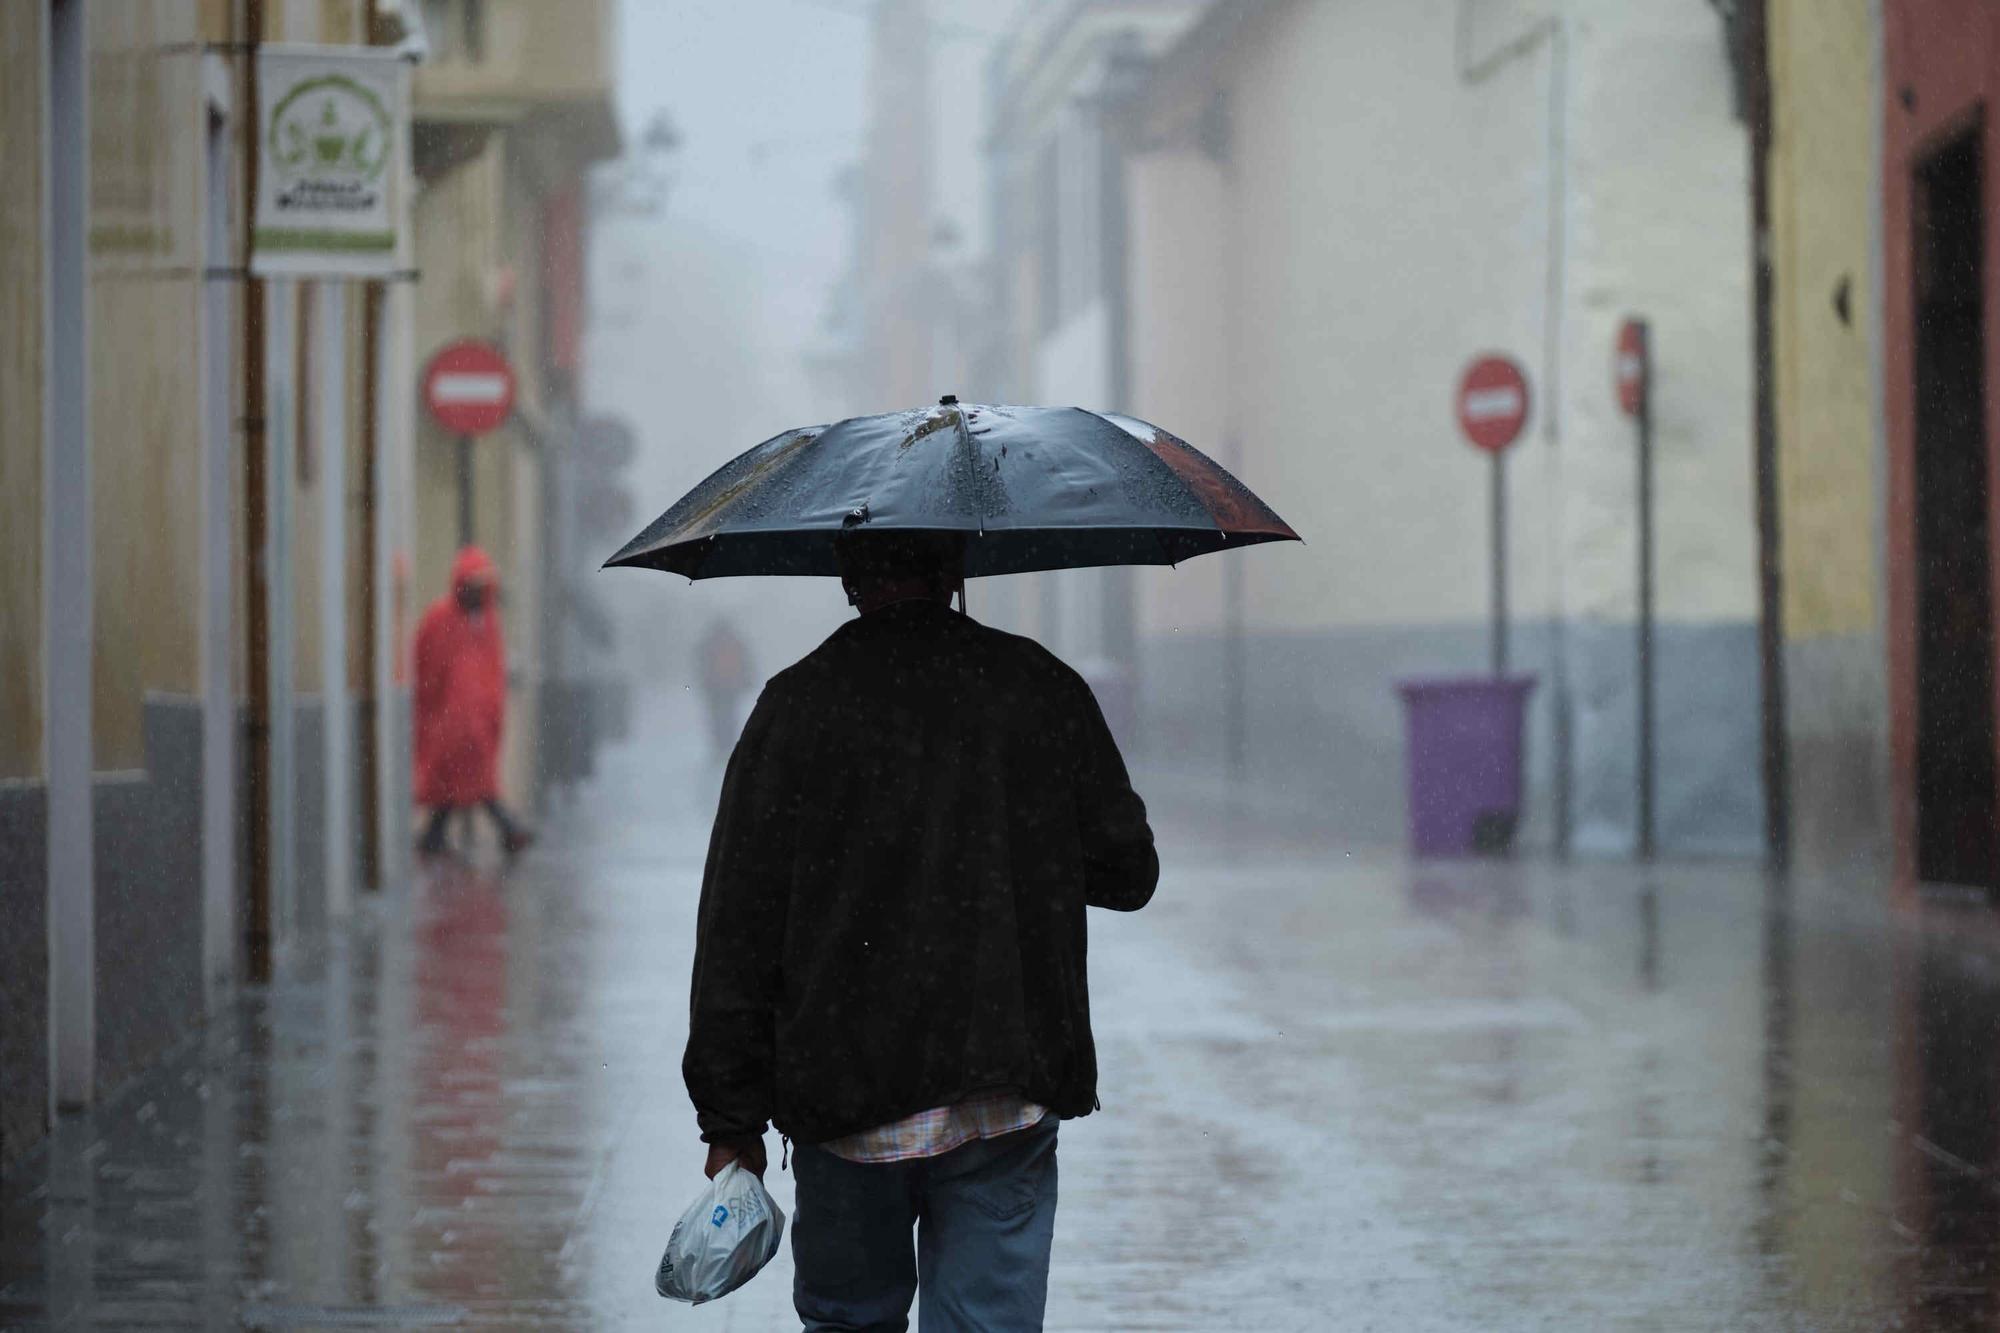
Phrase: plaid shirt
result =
(984, 1115)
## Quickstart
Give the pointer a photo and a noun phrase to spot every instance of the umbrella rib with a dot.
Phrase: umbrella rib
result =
(971, 452)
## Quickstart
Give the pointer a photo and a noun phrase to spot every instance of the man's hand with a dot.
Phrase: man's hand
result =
(748, 1151)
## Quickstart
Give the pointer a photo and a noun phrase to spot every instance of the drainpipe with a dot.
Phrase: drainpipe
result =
(1746, 35)
(68, 579)
(368, 759)
(1752, 56)
(256, 599)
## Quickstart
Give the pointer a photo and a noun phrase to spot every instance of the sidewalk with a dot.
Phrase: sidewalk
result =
(1339, 1092)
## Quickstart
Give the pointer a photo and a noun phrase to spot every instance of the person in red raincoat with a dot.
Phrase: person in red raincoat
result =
(461, 697)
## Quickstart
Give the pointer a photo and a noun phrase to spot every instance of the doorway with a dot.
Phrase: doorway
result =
(1955, 737)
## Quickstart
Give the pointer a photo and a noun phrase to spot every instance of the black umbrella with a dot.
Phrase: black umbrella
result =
(1030, 487)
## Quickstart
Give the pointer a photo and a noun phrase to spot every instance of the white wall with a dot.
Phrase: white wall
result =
(1180, 315)
(1073, 369)
(1394, 201)
(1379, 221)
(1661, 227)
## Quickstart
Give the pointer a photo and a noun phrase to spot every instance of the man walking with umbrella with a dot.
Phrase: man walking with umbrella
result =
(890, 947)
(890, 950)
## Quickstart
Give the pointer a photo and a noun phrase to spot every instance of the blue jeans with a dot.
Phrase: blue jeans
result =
(984, 1215)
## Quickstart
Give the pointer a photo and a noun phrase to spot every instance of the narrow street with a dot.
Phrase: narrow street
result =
(1339, 1093)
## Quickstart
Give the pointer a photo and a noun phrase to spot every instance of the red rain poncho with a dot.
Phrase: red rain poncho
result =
(461, 692)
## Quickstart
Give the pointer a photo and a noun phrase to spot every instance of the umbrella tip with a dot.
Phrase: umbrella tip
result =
(949, 400)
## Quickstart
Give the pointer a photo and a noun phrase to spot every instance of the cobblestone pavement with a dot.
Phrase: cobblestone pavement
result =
(1339, 1092)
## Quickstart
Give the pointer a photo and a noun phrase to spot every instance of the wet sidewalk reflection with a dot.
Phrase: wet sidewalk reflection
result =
(1338, 1091)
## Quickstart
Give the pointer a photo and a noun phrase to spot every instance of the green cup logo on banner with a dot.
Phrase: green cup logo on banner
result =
(330, 141)
(333, 121)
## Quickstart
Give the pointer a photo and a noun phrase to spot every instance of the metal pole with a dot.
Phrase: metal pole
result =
(68, 575)
(370, 758)
(1499, 528)
(1646, 664)
(328, 330)
(256, 622)
(221, 717)
(465, 490)
(1554, 307)
(1235, 707)
(285, 342)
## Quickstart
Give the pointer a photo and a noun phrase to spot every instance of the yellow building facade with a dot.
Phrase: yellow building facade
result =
(1825, 186)
(218, 518)
(511, 106)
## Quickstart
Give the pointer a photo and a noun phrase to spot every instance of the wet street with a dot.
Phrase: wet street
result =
(1339, 1092)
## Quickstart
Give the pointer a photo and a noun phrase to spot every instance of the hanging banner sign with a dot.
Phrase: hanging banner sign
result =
(333, 128)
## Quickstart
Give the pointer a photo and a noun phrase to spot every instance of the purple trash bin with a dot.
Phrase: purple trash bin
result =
(1464, 749)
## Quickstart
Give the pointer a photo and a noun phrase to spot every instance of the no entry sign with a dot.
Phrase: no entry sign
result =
(1631, 367)
(1492, 402)
(469, 387)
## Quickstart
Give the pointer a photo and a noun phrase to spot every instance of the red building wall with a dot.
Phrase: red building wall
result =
(562, 276)
(1941, 63)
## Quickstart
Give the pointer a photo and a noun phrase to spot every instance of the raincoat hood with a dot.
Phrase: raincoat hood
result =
(473, 566)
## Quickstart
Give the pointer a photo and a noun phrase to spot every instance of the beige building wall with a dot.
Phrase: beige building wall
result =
(1361, 284)
(1826, 243)
(477, 232)
(148, 177)
(318, 462)
(1180, 330)
(1823, 206)
(1396, 190)
(144, 253)
(22, 41)
(531, 51)
(335, 22)
(1658, 226)
(458, 235)
(522, 556)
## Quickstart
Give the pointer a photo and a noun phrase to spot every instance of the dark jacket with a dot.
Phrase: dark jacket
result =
(892, 915)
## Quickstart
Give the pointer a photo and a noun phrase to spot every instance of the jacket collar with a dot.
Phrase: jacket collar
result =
(915, 616)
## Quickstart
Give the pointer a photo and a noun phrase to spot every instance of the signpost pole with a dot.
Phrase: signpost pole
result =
(465, 490)
(1498, 475)
(1645, 644)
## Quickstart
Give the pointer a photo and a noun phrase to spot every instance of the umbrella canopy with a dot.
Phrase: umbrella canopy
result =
(1030, 487)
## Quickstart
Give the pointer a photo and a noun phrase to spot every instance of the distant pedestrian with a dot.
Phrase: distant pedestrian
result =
(725, 678)
(889, 957)
(461, 700)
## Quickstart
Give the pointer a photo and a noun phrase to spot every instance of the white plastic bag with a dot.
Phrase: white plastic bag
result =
(730, 1231)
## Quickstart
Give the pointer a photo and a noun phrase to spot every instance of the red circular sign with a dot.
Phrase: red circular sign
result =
(1632, 367)
(1492, 402)
(469, 387)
